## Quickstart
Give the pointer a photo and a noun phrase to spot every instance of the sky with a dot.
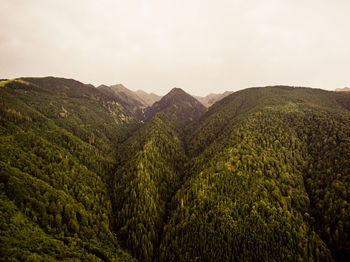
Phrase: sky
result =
(201, 46)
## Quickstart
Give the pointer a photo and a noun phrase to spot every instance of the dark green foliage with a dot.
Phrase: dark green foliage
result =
(150, 169)
(149, 172)
(246, 199)
(328, 182)
(264, 175)
(57, 155)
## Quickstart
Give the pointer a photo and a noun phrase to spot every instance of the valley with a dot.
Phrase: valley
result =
(107, 174)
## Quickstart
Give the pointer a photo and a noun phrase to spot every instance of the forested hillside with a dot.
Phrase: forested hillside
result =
(269, 180)
(262, 175)
(151, 167)
(57, 141)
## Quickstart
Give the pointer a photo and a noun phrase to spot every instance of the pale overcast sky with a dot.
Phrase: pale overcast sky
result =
(201, 46)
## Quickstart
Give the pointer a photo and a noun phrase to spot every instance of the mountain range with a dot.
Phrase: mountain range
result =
(149, 99)
(107, 174)
(345, 89)
(211, 99)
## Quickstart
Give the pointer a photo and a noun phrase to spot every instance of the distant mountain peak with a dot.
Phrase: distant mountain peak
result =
(212, 98)
(345, 89)
(178, 105)
(119, 86)
(176, 90)
(149, 98)
(125, 97)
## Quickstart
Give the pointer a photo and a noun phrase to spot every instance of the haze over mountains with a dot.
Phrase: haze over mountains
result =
(345, 89)
(150, 99)
(212, 98)
(135, 100)
(108, 174)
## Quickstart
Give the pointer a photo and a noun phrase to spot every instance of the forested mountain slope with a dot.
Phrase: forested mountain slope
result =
(151, 167)
(62, 87)
(269, 180)
(262, 175)
(57, 141)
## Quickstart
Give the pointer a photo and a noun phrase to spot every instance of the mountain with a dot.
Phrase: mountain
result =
(57, 153)
(125, 97)
(179, 107)
(211, 99)
(150, 170)
(250, 182)
(262, 175)
(67, 88)
(345, 89)
(266, 181)
(150, 99)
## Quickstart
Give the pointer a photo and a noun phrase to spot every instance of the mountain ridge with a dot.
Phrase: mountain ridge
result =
(149, 98)
(125, 97)
(212, 98)
(345, 89)
(261, 175)
(189, 107)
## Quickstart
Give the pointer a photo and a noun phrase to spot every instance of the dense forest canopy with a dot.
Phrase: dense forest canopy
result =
(93, 174)
(57, 155)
